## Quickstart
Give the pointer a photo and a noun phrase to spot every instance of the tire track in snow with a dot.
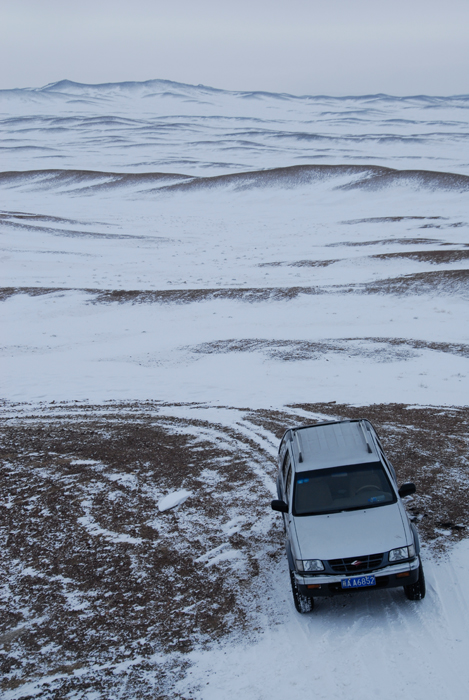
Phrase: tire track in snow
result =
(371, 645)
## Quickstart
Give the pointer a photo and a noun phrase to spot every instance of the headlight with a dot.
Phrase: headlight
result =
(309, 565)
(402, 553)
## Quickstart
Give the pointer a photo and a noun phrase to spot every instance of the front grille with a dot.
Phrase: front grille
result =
(356, 565)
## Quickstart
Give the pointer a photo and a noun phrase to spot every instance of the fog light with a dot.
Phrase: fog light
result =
(403, 574)
(313, 585)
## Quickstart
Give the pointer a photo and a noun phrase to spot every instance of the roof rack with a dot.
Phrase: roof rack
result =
(365, 436)
(298, 444)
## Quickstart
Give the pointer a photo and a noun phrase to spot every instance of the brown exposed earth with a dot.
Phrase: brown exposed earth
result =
(97, 581)
(436, 257)
(375, 349)
(449, 282)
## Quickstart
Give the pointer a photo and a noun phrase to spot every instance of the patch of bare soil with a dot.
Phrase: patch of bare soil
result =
(394, 219)
(455, 224)
(73, 233)
(452, 348)
(183, 296)
(382, 178)
(375, 349)
(103, 592)
(7, 292)
(169, 296)
(391, 219)
(27, 216)
(95, 577)
(300, 263)
(289, 177)
(388, 241)
(438, 282)
(437, 257)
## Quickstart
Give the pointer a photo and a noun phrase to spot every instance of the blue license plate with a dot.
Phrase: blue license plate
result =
(358, 582)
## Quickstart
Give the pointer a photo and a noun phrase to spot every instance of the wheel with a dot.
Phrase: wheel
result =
(303, 603)
(416, 591)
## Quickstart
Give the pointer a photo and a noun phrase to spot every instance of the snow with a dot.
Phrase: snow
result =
(94, 529)
(110, 352)
(327, 329)
(222, 553)
(366, 646)
(172, 500)
(63, 344)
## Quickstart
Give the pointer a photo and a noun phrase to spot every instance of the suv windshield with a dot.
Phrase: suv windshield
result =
(342, 488)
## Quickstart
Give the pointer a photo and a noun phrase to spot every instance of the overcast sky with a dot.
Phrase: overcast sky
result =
(334, 47)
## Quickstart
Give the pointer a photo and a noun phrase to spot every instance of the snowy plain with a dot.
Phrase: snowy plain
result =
(173, 243)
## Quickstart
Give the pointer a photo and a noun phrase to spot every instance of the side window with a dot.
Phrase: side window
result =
(288, 484)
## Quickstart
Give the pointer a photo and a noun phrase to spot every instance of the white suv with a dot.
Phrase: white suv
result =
(346, 526)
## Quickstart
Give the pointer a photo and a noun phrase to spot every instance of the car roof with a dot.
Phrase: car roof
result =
(334, 444)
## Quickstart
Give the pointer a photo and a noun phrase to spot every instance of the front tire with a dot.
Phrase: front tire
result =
(303, 603)
(416, 591)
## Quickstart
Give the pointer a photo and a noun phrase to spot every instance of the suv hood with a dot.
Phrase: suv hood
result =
(352, 533)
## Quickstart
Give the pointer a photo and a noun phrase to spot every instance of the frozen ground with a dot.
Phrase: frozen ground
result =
(185, 272)
(104, 595)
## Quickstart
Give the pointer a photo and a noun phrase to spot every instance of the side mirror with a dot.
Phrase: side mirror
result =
(407, 490)
(281, 506)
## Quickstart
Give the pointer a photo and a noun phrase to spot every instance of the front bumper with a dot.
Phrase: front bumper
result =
(393, 576)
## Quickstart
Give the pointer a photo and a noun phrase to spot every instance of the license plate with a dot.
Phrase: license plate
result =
(358, 582)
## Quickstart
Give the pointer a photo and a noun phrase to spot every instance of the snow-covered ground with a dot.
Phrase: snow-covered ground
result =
(183, 245)
(369, 646)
